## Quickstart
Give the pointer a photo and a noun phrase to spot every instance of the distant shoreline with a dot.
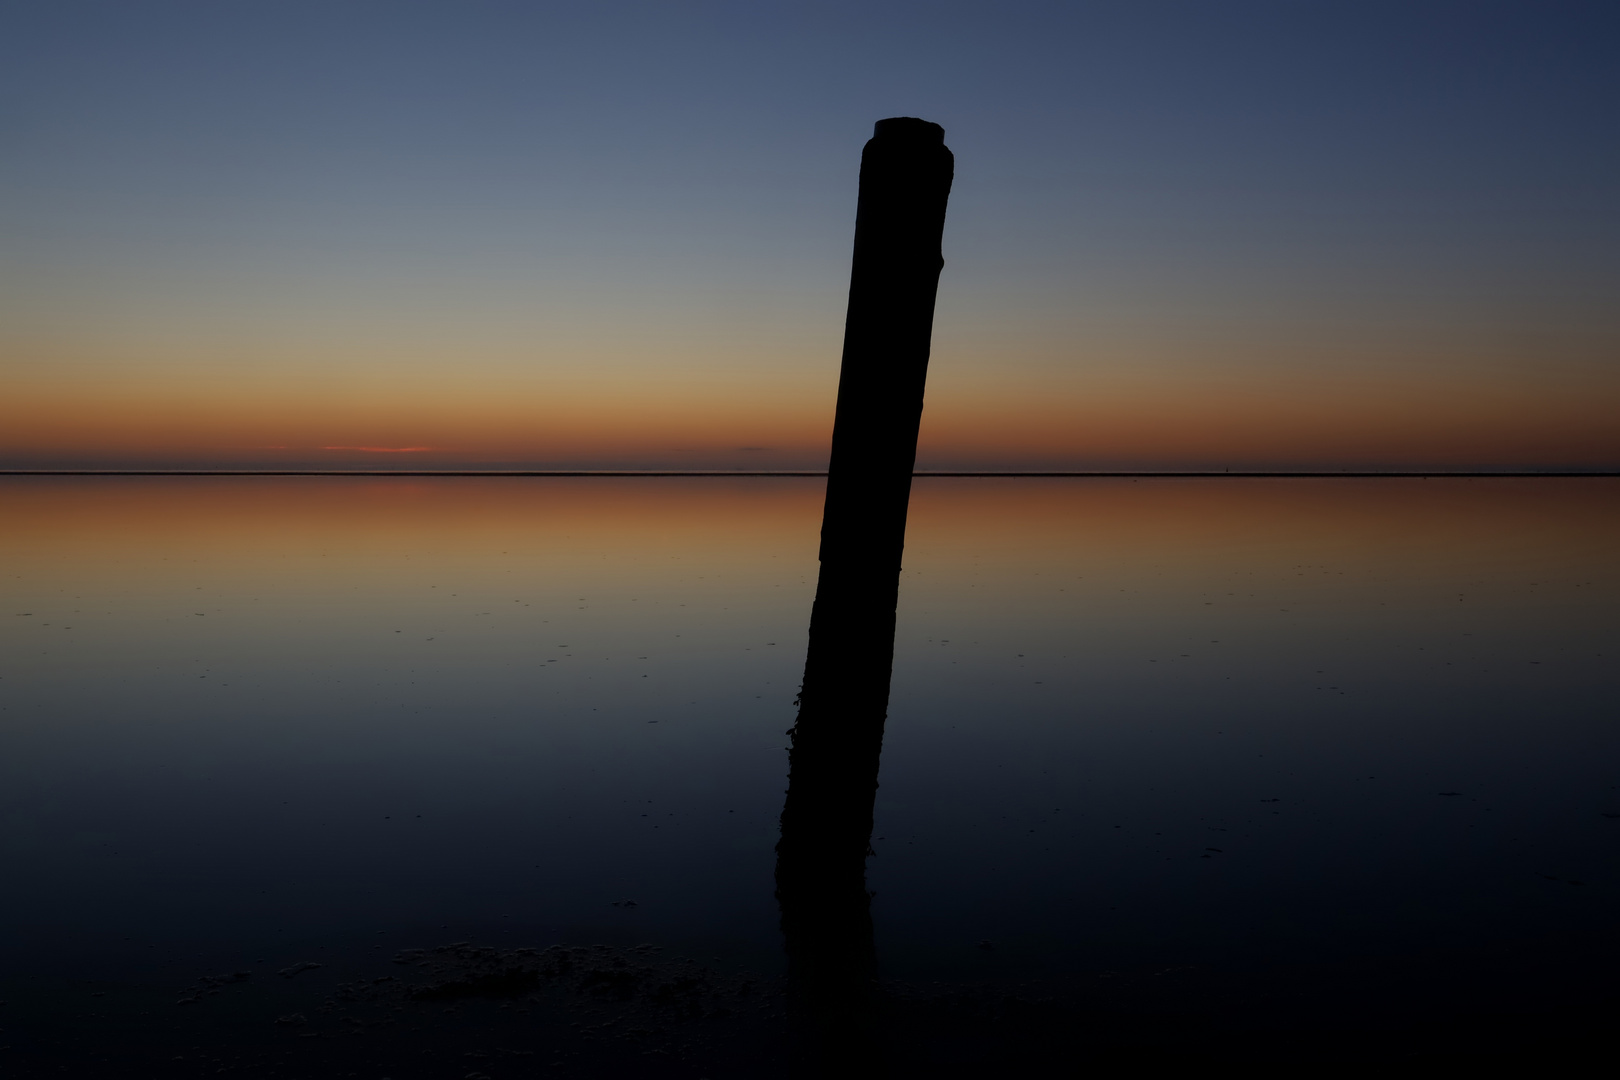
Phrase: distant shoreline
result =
(1199, 474)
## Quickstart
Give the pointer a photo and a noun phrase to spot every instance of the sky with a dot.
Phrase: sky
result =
(526, 235)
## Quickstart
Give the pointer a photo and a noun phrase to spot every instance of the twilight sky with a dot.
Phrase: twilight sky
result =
(472, 234)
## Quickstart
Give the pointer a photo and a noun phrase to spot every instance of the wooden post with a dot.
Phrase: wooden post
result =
(906, 174)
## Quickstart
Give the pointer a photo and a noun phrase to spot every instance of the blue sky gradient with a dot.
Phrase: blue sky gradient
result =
(618, 234)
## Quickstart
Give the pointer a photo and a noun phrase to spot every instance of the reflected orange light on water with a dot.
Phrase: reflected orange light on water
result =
(387, 533)
(385, 530)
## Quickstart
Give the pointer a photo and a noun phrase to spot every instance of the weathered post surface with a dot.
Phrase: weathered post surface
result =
(906, 174)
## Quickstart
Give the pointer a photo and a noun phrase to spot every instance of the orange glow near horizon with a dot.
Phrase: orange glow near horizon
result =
(1393, 422)
(1156, 278)
(1142, 398)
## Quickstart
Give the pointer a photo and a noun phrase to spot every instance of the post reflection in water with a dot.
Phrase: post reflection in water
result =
(832, 783)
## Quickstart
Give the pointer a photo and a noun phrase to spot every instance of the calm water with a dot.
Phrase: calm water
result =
(1230, 724)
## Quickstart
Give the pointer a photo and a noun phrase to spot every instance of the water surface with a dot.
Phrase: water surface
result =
(1225, 725)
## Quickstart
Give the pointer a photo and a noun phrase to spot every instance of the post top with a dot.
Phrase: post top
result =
(909, 129)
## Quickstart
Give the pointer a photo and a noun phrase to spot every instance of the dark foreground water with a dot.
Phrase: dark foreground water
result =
(1309, 770)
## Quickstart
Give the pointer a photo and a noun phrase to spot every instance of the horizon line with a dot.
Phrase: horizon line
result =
(1311, 474)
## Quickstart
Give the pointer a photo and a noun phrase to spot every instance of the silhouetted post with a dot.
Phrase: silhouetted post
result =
(906, 174)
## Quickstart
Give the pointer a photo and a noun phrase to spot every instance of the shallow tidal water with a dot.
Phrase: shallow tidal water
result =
(1249, 728)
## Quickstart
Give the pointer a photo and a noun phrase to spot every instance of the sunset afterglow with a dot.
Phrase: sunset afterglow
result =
(293, 236)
